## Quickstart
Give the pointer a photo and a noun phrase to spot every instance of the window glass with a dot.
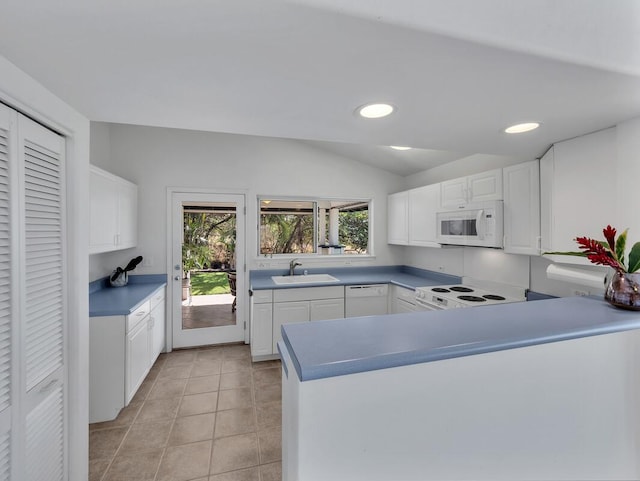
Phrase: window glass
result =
(289, 226)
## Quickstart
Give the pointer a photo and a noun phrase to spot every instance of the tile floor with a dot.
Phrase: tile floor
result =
(206, 414)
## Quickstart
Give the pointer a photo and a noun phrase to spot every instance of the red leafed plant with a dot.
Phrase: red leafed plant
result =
(609, 252)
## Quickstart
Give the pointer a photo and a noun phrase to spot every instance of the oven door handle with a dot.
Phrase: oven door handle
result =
(480, 227)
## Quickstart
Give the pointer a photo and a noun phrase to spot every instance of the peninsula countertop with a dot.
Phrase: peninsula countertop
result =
(105, 300)
(325, 349)
(404, 276)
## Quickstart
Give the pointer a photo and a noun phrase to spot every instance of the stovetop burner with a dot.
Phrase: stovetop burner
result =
(440, 289)
(461, 289)
(472, 298)
(494, 297)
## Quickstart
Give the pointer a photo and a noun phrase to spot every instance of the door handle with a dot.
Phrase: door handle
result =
(176, 278)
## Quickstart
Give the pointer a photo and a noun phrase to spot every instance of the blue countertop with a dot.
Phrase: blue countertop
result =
(404, 276)
(105, 300)
(324, 349)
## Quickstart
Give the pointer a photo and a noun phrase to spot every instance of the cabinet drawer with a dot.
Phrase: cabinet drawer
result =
(138, 315)
(157, 298)
(261, 297)
(308, 293)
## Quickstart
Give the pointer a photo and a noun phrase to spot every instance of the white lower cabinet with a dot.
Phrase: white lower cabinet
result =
(270, 309)
(122, 350)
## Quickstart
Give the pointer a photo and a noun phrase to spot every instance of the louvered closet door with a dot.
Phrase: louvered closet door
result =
(41, 153)
(8, 239)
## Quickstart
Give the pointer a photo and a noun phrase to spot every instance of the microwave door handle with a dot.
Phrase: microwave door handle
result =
(480, 224)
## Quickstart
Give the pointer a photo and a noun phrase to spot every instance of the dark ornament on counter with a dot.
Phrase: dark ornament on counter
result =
(623, 291)
(120, 276)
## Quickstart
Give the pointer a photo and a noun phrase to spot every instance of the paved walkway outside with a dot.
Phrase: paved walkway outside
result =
(208, 311)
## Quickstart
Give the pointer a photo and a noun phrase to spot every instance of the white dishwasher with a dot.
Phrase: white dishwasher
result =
(366, 300)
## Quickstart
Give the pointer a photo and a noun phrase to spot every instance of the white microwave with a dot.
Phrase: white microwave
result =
(479, 224)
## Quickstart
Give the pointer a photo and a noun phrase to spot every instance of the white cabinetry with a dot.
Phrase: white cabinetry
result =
(398, 218)
(474, 188)
(423, 205)
(286, 312)
(402, 300)
(262, 323)
(114, 211)
(578, 182)
(33, 372)
(522, 208)
(323, 309)
(122, 350)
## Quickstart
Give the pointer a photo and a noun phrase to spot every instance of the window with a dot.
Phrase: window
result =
(290, 226)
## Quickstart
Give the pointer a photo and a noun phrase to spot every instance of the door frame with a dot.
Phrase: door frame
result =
(241, 270)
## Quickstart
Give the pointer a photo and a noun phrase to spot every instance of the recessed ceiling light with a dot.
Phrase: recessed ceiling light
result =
(375, 111)
(520, 128)
(400, 147)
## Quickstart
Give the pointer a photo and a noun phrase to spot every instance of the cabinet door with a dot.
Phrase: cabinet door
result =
(326, 309)
(485, 186)
(522, 208)
(137, 358)
(284, 313)
(262, 329)
(423, 205)
(103, 212)
(398, 218)
(158, 318)
(453, 193)
(127, 215)
(578, 199)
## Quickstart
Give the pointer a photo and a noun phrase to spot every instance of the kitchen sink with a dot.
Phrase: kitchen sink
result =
(308, 279)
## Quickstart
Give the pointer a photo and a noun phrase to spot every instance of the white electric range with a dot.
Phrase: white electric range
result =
(470, 293)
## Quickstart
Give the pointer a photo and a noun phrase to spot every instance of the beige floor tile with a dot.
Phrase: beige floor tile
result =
(146, 437)
(236, 351)
(234, 452)
(104, 443)
(97, 468)
(231, 380)
(143, 391)
(235, 421)
(266, 377)
(206, 367)
(198, 404)
(134, 467)
(270, 442)
(209, 354)
(250, 474)
(158, 410)
(177, 358)
(167, 388)
(233, 365)
(235, 398)
(191, 429)
(197, 385)
(185, 462)
(268, 393)
(175, 372)
(271, 472)
(125, 417)
(269, 414)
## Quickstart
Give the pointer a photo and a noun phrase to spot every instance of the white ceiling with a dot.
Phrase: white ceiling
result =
(459, 71)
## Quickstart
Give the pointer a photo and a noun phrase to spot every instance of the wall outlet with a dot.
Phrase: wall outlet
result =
(578, 292)
(264, 265)
(147, 262)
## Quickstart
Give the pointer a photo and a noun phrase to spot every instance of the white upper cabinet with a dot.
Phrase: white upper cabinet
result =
(398, 218)
(114, 212)
(522, 208)
(423, 205)
(578, 180)
(474, 188)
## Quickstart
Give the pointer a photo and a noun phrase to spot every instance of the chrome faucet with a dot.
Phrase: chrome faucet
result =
(292, 266)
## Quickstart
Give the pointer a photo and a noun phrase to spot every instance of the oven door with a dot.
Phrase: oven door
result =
(425, 305)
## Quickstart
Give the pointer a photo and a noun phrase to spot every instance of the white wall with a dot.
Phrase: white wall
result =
(157, 158)
(22, 92)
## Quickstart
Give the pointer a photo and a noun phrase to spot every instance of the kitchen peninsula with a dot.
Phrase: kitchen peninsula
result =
(544, 390)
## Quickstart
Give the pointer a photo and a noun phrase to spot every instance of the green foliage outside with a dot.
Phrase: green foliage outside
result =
(353, 231)
(208, 238)
(209, 283)
(286, 234)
